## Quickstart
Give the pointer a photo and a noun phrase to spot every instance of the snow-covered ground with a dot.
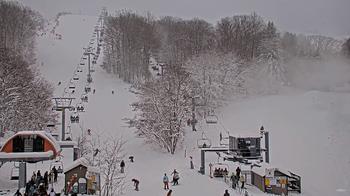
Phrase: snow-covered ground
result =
(309, 131)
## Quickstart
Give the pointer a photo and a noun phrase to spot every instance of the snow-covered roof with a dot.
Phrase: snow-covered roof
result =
(26, 156)
(42, 134)
(262, 170)
(246, 134)
(82, 161)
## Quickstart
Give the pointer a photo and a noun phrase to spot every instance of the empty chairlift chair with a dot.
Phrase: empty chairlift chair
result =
(211, 119)
(15, 172)
(75, 77)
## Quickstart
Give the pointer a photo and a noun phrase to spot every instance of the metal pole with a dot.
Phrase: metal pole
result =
(193, 114)
(63, 124)
(22, 176)
(89, 75)
(267, 152)
(202, 168)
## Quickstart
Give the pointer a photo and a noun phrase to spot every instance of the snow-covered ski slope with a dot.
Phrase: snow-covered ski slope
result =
(310, 131)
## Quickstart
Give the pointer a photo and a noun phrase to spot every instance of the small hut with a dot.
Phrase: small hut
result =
(275, 180)
(81, 178)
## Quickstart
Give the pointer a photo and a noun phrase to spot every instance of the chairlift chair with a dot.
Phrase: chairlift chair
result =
(220, 169)
(72, 86)
(211, 119)
(84, 98)
(82, 63)
(15, 172)
(74, 118)
(58, 164)
(87, 89)
(75, 77)
(80, 108)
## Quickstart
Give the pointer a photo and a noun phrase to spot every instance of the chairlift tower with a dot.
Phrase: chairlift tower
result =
(61, 104)
(88, 53)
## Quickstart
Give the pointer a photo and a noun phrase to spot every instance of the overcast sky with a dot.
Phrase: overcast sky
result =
(327, 17)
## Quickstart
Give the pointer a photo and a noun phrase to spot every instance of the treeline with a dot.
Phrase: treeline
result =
(239, 56)
(25, 98)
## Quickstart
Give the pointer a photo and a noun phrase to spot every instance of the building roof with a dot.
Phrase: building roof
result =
(82, 161)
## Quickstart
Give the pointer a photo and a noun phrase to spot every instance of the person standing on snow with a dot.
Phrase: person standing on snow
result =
(176, 177)
(242, 180)
(136, 184)
(166, 182)
(122, 165)
(226, 193)
(191, 163)
(169, 193)
(238, 172)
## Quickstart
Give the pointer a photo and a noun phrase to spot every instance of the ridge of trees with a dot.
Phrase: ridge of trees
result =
(25, 97)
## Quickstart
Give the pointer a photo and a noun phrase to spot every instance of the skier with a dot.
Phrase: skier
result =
(226, 193)
(136, 184)
(94, 91)
(191, 163)
(112, 92)
(122, 165)
(238, 172)
(242, 180)
(176, 177)
(169, 192)
(59, 83)
(166, 182)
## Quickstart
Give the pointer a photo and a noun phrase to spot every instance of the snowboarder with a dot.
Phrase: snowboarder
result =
(238, 172)
(191, 163)
(169, 192)
(176, 177)
(122, 165)
(226, 193)
(166, 182)
(136, 184)
(242, 180)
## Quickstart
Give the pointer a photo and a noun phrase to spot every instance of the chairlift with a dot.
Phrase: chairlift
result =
(204, 142)
(80, 108)
(87, 89)
(219, 169)
(72, 86)
(84, 57)
(58, 164)
(15, 172)
(84, 98)
(75, 77)
(79, 70)
(211, 119)
(74, 118)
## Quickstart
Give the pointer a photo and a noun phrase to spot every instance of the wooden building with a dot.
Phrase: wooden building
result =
(81, 178)
(274, 180)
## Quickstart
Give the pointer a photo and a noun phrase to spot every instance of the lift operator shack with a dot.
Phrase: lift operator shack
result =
(244, 149)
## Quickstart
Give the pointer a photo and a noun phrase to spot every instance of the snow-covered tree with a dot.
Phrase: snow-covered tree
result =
(25, 98)
(112, 154)
(163, 108)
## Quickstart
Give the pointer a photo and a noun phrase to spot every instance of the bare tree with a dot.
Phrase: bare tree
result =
(111, 155)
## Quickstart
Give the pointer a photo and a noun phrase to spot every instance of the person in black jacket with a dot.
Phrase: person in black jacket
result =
(136, 184)
(122, 165)
(226, 193)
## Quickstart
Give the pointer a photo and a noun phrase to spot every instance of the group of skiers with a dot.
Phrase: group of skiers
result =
(39, 184)
(235, 178)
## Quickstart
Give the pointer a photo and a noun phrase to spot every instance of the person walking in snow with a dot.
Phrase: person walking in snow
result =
(238, 172)
(242, 180)
(55, 173)
(176, 177)
(226, 193)
(166, 182)
(169, 192)
(122, 165)
(191, 163)
(136, 184)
